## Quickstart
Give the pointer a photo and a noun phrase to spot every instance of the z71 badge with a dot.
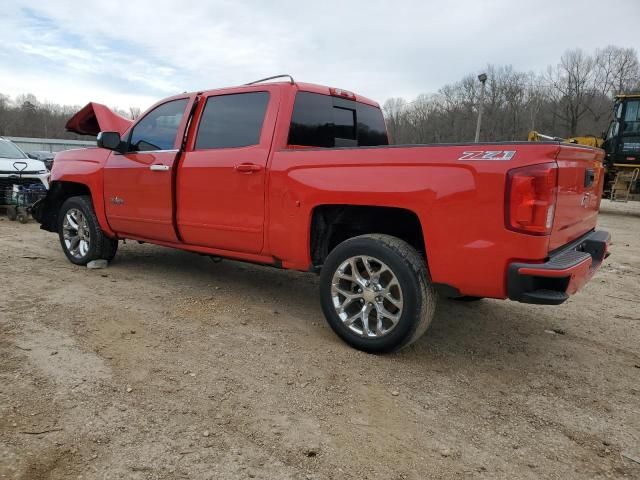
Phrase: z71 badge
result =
(488, 155)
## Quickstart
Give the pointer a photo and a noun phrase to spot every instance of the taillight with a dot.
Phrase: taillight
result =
(530, 198)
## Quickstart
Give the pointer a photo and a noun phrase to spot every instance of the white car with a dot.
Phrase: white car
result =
(17, 169)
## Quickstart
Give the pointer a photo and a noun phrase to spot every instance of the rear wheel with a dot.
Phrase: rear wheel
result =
(375, 293)
(81, 238)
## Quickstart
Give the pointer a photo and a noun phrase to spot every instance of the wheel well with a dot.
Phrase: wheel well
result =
(58, 193)
(333, 224)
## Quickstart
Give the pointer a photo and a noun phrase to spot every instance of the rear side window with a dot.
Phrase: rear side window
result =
(325, 121)
(230, 121)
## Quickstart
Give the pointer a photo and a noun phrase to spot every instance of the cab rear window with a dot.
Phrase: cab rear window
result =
(325, 121)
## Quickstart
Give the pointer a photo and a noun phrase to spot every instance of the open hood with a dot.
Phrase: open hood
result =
(95, 118)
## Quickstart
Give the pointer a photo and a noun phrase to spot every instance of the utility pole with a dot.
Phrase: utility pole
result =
(483, 78)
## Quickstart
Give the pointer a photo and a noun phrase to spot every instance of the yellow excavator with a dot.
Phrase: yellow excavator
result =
(621, 144)
(589, 140)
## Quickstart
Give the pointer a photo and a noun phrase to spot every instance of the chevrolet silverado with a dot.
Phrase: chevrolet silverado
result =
(302, 176)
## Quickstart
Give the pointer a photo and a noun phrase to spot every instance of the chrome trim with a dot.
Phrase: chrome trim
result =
(173, 150)
(159, 168)
(367, 296)
(76, 233)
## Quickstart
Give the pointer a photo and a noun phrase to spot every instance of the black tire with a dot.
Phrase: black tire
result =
(22, 218)
(12, 213)
(100, 246)
(410, 270)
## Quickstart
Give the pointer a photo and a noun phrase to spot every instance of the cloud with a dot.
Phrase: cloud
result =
(122, 52)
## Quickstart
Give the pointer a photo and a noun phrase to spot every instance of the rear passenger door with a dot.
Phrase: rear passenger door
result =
(221, 181)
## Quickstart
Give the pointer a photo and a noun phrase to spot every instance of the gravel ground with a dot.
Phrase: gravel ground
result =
(168, 366)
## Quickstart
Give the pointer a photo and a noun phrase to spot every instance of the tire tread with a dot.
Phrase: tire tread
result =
(417, 267)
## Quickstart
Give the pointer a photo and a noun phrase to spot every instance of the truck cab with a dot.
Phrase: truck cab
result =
(622, 139)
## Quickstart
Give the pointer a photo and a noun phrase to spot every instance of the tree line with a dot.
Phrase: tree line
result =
(572, 97)
(26, 116)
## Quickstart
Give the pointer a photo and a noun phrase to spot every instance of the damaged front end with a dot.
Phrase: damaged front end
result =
(94, 118)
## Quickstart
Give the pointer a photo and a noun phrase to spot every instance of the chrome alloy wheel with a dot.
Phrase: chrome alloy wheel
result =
(76, 233)
(367, 296)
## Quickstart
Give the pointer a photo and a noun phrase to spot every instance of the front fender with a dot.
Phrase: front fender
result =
(75, 172)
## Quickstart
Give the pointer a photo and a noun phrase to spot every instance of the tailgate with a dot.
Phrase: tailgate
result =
(580, 182)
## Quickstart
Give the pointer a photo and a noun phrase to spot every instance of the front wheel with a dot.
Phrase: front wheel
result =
(80, 235)
(376, 294)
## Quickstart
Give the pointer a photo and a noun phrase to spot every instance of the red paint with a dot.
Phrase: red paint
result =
(256, 203)
(147, 208)
(94, 117)
(577, 206)
(221, 192)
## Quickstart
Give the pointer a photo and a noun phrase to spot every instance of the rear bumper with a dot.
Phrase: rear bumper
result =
(566, 271)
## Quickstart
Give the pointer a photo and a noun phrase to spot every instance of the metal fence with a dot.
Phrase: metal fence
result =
(49, 144)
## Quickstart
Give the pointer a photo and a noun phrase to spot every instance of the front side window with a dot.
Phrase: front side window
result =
(159, 128)
(231, 121)
(324, 121)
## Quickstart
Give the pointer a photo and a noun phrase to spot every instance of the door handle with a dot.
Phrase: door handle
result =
(248, 168)
(159, 168)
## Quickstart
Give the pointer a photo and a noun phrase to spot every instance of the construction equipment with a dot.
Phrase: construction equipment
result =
(621, 143)
(622, 146)
(625, 180)
(589, 140)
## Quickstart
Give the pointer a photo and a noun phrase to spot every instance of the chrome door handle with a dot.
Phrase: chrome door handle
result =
(159, 168)
(248, 168)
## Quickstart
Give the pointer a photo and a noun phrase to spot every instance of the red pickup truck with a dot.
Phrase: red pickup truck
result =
(301, 176)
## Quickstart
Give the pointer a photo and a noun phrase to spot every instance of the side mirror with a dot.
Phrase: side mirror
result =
(32, 156)
(109, 140)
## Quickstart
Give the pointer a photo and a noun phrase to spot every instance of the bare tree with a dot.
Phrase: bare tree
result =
(572, 87)
(572, 97)
(393, 111)
(618, 69)
(134, 112)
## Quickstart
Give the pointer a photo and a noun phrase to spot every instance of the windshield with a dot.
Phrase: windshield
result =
(9, 150)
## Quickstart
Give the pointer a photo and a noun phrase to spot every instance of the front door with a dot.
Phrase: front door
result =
(138, 185)
(221, 183)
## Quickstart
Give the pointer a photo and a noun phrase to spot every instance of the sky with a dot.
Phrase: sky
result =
(131, 54)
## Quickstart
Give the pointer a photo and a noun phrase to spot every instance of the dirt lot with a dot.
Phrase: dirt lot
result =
(166, 365)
